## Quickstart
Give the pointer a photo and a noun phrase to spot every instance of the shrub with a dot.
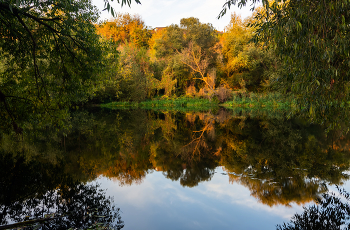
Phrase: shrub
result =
(224, 94)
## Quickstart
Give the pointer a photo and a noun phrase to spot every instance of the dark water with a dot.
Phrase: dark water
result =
(161, 170)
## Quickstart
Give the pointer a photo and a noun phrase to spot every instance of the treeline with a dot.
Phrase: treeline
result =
(190, 59)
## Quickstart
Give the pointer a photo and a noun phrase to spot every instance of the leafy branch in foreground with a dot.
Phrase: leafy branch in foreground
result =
(49, 53)
(109, 8)
(332, 212)
(311, 39)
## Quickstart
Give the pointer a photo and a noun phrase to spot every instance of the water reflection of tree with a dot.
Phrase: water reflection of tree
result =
(184, 153)
(282, 161)
(38, 194)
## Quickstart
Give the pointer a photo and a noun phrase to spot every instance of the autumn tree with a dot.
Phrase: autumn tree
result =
(125, 28)
(197, 61)
(312, 40)
(246, 65)
(173, 45)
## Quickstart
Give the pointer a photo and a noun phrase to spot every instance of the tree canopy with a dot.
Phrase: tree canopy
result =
(312, 40)
(49, 53)
(125, 28)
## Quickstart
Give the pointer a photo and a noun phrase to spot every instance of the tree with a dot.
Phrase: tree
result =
(312, 40)
(60, 204)
(125, 29)
(50, 53)
(331, 212)
(135, 73)
(174, 47)
(195, 59)
(245, 64)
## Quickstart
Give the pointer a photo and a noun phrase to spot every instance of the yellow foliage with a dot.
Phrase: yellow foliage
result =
(156, 35)
(125, 28)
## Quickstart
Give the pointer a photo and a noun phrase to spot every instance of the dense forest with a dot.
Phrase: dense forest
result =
(191, 59)
(57, 57)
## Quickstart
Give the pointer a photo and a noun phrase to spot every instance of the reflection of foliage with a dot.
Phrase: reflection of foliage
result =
(119, 152)
(276, 158)
(57, 202)
(173, 154)
(280, 161)
(330, 213)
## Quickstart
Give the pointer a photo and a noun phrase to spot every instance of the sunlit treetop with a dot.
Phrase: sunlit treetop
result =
(125, 28)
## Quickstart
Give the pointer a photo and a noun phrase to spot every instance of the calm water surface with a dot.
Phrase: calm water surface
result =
(167, 170)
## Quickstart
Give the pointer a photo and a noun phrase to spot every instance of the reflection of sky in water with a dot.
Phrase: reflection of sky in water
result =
(159, 203)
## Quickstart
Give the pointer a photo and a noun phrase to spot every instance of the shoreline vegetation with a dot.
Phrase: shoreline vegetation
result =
(239, 102)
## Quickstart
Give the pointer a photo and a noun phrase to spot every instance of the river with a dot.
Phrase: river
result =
(143, 169)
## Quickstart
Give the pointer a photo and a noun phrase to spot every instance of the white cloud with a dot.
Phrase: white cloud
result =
(164, 193)
(239, 195)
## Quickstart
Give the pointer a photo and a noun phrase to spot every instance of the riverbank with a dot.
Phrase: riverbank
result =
(261, 101)
(174, 104)
(251, 101)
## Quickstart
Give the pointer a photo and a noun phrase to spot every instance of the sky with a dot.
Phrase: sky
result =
(161, 13)
(161, 203)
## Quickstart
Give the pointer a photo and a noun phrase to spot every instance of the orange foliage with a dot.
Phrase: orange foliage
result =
(157, 34)
(125, 28)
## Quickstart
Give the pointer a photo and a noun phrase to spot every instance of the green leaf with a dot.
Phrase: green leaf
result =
(299, 25)
(112, 12)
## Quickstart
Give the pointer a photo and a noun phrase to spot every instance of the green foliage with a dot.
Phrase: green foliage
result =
(107, 87)
(51, 54)
(331, 212)
(171, 46)
(315, 53)
(267, 101)
(203, 35)
(246, 65)
(135, 74)
(168, 104)
(312, 40)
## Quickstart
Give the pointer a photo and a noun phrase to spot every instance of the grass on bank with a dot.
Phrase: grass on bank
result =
(176, 104)
(240, 101)
(268, 101)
